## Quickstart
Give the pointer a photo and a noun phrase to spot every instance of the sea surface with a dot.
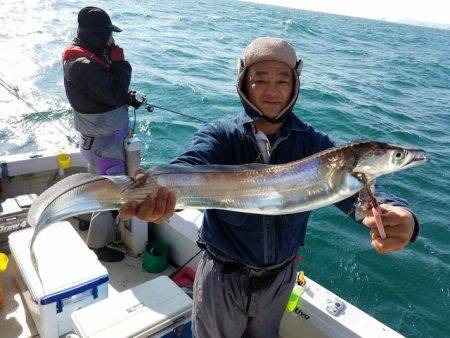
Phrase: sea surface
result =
(362, 79)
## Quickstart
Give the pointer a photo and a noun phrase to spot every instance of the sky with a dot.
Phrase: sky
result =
(424, 11)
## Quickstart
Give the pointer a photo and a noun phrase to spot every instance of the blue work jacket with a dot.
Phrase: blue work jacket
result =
(251, 239)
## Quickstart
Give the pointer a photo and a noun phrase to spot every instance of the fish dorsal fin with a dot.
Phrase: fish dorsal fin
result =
(217, 168)
(192, 169)
(54, 191)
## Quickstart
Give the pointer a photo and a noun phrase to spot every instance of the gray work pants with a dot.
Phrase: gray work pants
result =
(102, 228)
(225, 306)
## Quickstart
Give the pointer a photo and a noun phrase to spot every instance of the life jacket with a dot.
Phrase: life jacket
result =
(75, 52)
(101, 164)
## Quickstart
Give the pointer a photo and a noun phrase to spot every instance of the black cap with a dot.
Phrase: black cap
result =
(93, 17)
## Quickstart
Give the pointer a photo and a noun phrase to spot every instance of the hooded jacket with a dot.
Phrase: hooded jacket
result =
(260, 241)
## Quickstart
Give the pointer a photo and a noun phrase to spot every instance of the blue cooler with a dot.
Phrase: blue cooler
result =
(71, 275)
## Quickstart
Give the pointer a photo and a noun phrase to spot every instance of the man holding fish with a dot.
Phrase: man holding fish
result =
(249, 268)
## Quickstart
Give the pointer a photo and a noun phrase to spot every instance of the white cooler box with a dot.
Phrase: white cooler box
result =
(155, 308)
(72, 277)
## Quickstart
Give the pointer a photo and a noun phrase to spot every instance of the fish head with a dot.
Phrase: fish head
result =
(376, 158)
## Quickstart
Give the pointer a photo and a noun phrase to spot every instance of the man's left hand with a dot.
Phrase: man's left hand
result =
(136, 99)
(117, 53)
(156, 208)
(398, 223)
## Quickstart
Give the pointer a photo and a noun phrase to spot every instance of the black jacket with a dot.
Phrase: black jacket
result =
(92, 88)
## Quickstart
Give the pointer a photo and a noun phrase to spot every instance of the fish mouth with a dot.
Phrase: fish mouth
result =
(418, 156)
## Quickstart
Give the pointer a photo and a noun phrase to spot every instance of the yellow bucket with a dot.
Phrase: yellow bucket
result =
(3, 264)
(63, 160)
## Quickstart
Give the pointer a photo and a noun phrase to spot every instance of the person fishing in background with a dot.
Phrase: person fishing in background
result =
(97, 79)
(249, 265)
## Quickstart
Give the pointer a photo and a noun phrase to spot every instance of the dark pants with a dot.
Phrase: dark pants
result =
(231, 304)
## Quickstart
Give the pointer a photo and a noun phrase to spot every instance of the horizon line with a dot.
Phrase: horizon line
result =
(406, 21)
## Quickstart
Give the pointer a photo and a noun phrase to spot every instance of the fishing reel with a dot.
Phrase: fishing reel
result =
(149, 107)
(138, 99)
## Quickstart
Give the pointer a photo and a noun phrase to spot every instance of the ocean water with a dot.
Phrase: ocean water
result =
(362, 79)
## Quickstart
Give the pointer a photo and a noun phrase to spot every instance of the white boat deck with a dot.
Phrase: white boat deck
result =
(30, 173)
(16, 321)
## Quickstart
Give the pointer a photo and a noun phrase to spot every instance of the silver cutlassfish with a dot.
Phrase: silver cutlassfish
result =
(316, 181)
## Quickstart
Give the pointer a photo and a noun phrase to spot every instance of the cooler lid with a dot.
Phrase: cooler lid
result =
(145, 309)
(66, 265)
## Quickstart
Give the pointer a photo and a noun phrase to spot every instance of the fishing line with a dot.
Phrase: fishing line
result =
(15, 92)
(150, 107)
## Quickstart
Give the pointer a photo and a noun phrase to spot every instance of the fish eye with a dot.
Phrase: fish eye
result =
(399, 155)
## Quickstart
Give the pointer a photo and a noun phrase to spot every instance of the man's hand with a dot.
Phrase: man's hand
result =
(136, 99)
(154, 208)
(116, 53)
(398, 224)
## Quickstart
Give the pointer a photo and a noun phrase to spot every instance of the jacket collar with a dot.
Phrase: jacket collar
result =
(290, 123)
(75, 52)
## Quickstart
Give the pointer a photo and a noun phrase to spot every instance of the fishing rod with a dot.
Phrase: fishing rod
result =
(15, 92)
(142, 98)
(138, 96)
(184, 264)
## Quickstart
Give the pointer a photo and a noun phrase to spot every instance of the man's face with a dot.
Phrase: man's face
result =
(269, 86)
(110, 42)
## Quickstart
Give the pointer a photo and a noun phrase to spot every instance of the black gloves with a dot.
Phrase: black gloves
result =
(136, 99)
